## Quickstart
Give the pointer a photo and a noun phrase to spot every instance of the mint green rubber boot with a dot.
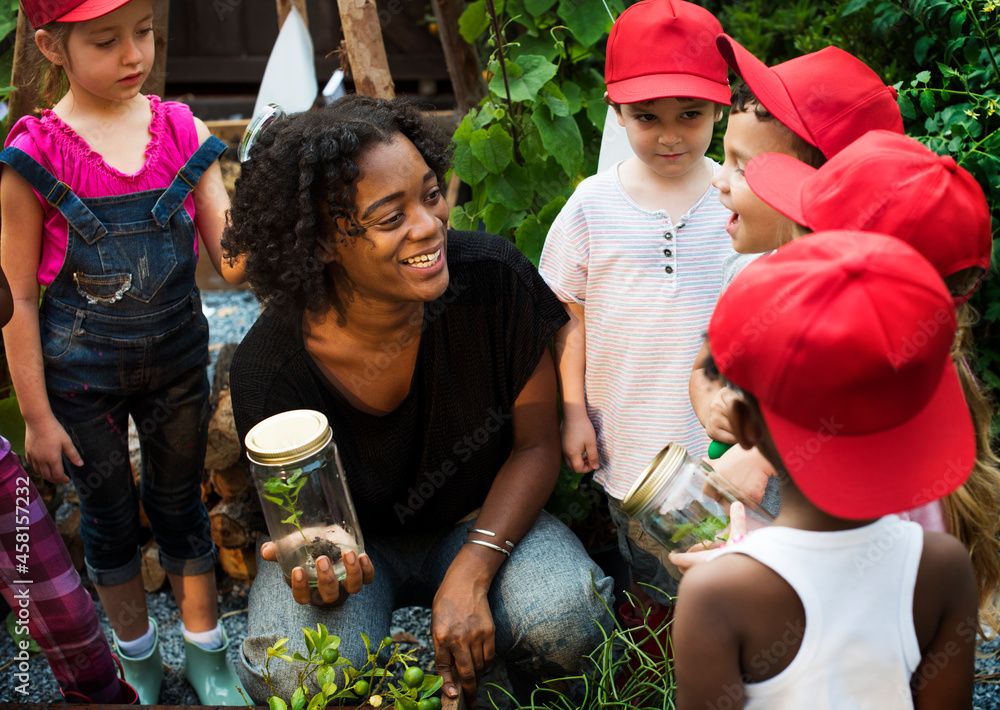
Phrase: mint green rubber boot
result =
(144, 674)
(211, 675)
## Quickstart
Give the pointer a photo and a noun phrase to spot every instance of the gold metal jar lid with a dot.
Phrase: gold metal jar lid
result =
(288, 437)
(652, 479)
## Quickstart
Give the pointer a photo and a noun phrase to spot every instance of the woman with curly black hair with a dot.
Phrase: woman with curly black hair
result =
(427, 349)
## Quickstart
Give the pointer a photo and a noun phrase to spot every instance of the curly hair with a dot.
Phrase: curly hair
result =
(296, 193)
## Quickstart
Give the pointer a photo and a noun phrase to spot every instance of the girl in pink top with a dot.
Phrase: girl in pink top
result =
(102, 204)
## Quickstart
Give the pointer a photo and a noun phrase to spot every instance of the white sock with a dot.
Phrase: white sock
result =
(137, 648)
(208, 640)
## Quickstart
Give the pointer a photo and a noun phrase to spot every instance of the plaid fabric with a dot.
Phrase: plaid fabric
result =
(40, 584)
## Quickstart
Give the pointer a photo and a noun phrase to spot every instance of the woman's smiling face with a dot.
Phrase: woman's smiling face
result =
(401, 256)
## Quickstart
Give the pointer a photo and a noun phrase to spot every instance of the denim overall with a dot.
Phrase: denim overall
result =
(122, 334)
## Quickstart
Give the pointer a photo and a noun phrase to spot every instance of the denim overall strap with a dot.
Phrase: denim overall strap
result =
(186, 179)
(56, 193)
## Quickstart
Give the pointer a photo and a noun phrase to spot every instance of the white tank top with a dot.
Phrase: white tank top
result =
(859, 648)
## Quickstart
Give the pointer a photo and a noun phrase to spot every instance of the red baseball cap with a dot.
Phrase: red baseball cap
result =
(661, 48)
(844, 338)
(42, 12)
(889, 183)
(828, 98)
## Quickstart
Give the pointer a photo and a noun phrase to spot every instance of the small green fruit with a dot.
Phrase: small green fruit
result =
(387, 641)
(361, 688)
(413, 677)
(330, 655)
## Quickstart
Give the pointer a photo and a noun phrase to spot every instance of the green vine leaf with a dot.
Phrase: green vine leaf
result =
(460, 219)
(493, 148)
(927, 101)
(467, 166)
(473, 21)
(527, 75)
(512, 189)
(537, 7)
(561, 137)
(588, 20)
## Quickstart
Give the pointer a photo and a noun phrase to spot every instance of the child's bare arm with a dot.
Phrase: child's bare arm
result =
(946, 590)
(706, 639)
(577, 432)
(709, 400)
(211, 207)
(20, 254)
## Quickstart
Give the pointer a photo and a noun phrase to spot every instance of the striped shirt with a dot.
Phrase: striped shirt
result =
(648, 287)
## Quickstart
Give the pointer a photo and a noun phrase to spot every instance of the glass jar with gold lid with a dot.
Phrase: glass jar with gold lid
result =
(681, 501)
(303, 491)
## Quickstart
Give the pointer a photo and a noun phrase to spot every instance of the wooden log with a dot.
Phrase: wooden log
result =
(69, 531)
(224, 447)
(230, 482)
(25, 73)
(459, 55)
(285, 7)
(365, 48)
(239, 563)
(153, 575)
(232, 520)
(156, 81)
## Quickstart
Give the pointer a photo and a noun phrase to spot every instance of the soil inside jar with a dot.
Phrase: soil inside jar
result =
(320, 547)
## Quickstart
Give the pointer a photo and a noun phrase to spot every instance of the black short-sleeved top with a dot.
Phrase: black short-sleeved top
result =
(432, 460)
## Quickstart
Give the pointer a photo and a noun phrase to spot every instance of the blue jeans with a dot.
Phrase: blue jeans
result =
(543, 601)
(95, 381)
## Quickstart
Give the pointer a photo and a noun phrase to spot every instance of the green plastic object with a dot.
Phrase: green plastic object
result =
(717, 449)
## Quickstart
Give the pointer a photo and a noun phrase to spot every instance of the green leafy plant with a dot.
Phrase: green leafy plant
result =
(536, 134)
(706, 531)
(631, 669)
(284, 493)
(373, 684)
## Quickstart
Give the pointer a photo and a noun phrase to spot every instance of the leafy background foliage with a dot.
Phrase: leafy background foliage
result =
(524, 157)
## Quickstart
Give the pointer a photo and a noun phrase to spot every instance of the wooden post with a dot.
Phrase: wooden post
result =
(365, 48)
(459, 55)
(25, 72)
(285, 6)
(157, 80)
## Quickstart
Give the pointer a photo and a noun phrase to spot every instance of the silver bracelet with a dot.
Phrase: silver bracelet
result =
(489, 545)
(508, 543)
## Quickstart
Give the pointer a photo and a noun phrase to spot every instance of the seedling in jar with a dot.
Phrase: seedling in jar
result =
(285, 494)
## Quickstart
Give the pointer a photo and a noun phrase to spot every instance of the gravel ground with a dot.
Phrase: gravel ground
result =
(230, 315)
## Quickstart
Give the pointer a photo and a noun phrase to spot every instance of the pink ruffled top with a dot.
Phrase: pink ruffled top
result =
(64, 153)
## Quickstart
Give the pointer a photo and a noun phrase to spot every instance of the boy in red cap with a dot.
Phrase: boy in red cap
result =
(810, 108)
(636, 257)
(889, 183)
(839, 603)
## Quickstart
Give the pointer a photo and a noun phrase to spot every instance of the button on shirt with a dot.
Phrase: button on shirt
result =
(648, 287)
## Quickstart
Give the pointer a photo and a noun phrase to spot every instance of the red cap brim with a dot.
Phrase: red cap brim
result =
(779, 180)
(764, 84)
(659, 86)
(91, 9)
(921, 460)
